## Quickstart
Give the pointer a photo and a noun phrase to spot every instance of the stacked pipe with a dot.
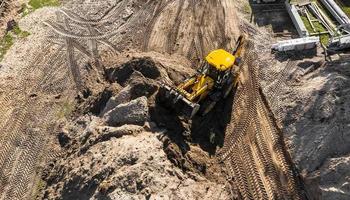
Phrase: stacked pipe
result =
(323, 19)
(336, 11)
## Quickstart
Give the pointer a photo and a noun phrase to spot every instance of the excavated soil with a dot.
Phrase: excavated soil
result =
(312, 107)
(79, 116)
(172, 161)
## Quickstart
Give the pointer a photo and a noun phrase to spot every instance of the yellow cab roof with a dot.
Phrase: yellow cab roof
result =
(221, 59)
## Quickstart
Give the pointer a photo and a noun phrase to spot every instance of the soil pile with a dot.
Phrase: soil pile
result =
(309, 97)
(120, 153)
(312, 104)
(316, 120)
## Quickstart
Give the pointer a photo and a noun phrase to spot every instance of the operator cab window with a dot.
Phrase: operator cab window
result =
(212, 72)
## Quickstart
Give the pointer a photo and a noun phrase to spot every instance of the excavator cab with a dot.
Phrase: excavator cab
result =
(214, 80)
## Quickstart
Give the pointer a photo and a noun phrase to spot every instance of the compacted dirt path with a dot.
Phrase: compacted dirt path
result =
(254, 151)
(192, 28)
(27, 115)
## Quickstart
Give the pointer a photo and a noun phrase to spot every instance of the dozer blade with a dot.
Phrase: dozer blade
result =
(175, 100)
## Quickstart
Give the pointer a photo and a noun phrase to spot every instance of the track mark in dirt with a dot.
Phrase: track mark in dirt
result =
(94, 50)
(30, 115)
(189, 28)
(254, 150)
(276, 87)
(72, 62)
(24, 133)
(172, 35)
(76, 41)
(158, 11)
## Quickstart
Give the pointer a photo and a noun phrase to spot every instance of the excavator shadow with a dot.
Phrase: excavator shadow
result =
(209, 131)
(174, 125)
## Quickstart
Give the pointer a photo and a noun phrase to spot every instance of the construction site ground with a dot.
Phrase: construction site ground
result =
(79, 115)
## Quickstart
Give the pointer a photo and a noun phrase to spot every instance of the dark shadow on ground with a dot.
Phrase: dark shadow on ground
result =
(209, 131)
(295, 55)
(274, 15)
(167, 118)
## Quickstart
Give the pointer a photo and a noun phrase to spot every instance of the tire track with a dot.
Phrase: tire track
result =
(199, 39)
(18, 116)
(75, 72)
(254, 149)
(24, 82)
(66, 33)
(94, 50)
(279, 82)
(172, 35)
(282, 155)
(13, 150)
(248, 113)
(264, 154)
(259, 188)
(9, 148)
(158, 11)
(239, 171)
(24, 134)
(25, 169)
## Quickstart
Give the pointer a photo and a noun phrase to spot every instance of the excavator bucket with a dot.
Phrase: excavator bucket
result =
(172, 98)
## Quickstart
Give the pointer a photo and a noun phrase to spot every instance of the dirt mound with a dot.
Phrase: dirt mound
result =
(116, 169)
(315, 122)
(312, 103)
(149, 152)
(120, 153)
(133, 112)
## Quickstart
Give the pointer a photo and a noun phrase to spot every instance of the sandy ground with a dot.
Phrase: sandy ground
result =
(55, 68)
(9, 11)
(60, 66)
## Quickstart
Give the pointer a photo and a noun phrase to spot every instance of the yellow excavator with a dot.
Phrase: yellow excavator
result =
(214, 80)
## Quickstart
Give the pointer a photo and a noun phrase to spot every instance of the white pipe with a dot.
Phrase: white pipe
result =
(297, 21)
(336, 11)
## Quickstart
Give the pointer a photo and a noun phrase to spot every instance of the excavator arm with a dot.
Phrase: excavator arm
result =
(237, 51)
